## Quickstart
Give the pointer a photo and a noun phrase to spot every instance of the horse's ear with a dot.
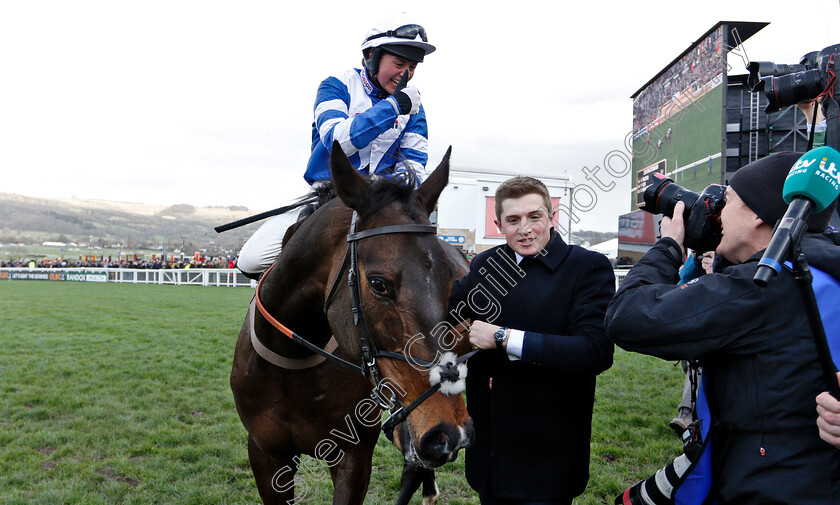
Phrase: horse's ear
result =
(349, 184)
(428, 192)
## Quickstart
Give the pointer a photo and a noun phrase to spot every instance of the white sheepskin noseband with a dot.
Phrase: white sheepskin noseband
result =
(449, 374)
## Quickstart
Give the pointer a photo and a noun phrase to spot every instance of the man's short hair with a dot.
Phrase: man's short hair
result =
(518, 187)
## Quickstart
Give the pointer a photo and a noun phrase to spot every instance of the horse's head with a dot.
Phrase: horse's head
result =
(405, 276)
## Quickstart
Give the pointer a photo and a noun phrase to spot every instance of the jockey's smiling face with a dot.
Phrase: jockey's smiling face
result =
(525, 223)
(391, 69)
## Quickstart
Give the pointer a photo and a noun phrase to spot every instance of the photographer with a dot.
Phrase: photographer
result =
(755, 344)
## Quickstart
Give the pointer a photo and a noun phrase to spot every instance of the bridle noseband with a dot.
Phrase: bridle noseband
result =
(448, 371)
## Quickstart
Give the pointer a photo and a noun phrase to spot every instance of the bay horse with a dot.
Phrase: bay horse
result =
(351, 319)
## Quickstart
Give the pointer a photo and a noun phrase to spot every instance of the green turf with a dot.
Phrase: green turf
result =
(118, 393)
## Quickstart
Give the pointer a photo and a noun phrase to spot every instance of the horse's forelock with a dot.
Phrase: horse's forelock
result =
(382, 193)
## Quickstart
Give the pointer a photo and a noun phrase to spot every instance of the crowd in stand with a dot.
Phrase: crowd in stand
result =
(158, 263)
(691, 73)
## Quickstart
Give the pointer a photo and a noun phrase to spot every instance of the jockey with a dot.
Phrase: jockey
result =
(381, 129)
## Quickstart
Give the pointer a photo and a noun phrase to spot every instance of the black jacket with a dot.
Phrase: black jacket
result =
(533, 426)
(762, 369)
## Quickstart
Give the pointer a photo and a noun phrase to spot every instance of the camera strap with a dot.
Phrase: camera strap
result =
(813, 127)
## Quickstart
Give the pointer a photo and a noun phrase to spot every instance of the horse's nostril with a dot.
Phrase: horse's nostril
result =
(437, 444)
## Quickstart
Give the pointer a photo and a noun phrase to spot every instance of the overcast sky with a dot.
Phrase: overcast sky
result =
(210, 103)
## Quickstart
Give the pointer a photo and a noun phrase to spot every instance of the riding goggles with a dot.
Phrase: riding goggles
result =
(409, 32)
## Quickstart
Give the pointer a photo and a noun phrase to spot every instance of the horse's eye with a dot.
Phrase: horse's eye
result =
(378, 286)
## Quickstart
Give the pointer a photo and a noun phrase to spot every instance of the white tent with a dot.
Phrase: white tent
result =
(608, 248)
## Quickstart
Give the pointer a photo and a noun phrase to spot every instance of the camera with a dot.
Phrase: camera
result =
(785, 85)
(701, 215)
(759, 69)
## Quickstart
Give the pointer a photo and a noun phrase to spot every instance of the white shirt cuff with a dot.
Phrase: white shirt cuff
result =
(514, 344)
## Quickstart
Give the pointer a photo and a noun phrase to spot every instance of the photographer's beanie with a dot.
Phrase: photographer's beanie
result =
(760, 184)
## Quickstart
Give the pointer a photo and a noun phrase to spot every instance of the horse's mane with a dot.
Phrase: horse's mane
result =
(382, 192)
(319, 195)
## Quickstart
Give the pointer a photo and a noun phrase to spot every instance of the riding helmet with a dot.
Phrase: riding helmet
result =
(400, 36)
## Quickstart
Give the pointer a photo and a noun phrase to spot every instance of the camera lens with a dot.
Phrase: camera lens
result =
(791, 89)
(701, 215)
(661, 197)
(761, 69)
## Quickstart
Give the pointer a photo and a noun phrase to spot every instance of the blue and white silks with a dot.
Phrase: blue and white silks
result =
(368, 126)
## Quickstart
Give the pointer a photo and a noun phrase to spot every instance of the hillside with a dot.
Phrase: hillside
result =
(32, 220)
(102, 223)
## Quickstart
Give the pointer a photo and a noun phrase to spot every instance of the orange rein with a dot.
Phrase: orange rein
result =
(274, 322)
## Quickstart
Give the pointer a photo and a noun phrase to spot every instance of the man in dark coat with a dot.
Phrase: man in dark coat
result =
(536, 306)
(756, 345)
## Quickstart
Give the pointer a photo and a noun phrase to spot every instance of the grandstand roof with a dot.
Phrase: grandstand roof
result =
(746, 29)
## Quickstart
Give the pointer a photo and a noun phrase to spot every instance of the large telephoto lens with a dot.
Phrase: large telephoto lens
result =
(662, 196)
(701, 217)
(759, 69)
(791, 89)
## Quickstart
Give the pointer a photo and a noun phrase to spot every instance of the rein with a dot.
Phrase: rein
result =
(446, 371)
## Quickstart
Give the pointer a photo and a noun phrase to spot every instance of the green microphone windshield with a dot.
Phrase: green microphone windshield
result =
(815, 176)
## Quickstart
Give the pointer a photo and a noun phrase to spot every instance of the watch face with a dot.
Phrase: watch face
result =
(499, 335)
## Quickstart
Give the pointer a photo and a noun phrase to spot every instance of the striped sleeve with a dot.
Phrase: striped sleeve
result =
(333, 122)
(414, 147)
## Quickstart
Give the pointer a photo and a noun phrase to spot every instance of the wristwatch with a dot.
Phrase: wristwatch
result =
(500, 336)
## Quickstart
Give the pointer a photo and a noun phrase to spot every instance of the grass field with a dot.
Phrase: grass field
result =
(118, 393)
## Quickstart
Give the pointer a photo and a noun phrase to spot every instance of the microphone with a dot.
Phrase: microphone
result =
(812, 184)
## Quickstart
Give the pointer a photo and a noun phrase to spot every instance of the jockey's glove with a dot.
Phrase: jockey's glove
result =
(408, 100)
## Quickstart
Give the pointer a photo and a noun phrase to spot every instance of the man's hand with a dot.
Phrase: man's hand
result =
(674, 227)
(481, 335)
(708, 262)
(828, 421)
(807, 109)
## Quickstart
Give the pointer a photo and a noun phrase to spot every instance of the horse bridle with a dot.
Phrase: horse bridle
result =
(370, 352)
